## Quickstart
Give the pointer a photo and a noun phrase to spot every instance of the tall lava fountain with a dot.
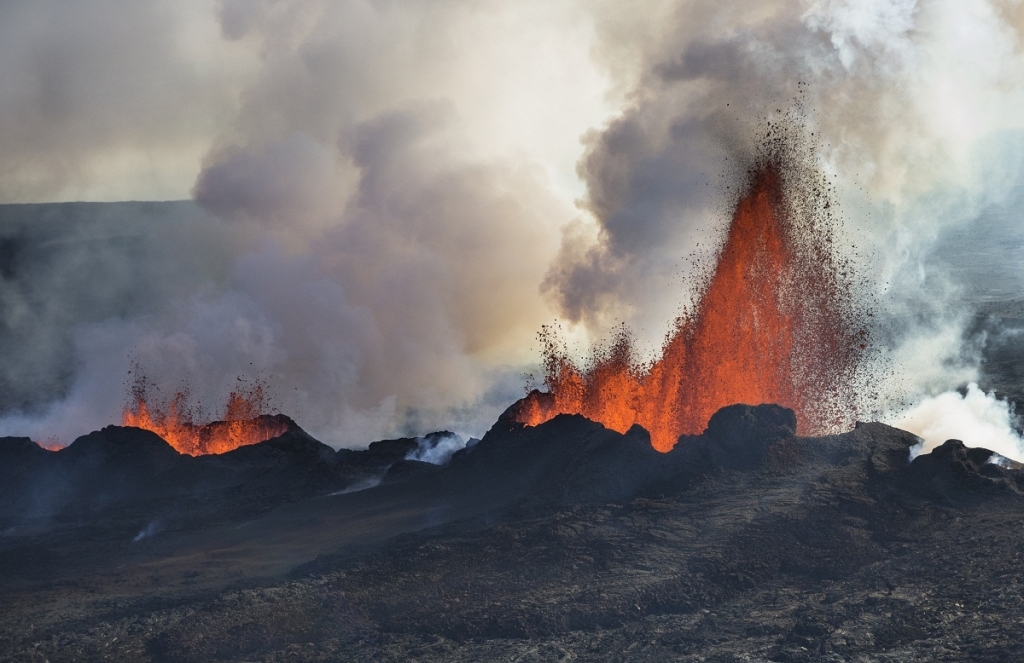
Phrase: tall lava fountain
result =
(775, 322)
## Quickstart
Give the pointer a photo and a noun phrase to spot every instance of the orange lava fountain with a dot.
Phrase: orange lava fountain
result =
(775, 324)
(240, 425)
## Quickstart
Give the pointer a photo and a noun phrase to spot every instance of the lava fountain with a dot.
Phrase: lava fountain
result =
(242, 421)
(775, 322)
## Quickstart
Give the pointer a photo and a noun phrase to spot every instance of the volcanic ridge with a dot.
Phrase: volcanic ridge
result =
(745, 542)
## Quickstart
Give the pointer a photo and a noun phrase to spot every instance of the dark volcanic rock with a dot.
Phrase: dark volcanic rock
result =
(20, 457)
(568, 541)
(379, 455)
(403, 470)
(953, 473)
(95, 472)
(740, 435)
(389, 461)
(22, 470)
(568, 459)
(120, 447)
(14, 450)
(119, 476)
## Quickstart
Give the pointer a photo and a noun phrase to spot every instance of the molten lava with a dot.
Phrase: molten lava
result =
(774, 324)
(51, 444)
(240, 425)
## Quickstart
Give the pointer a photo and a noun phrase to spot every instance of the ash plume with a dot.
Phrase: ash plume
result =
(385, 196)
(870, 76)
(382, 234)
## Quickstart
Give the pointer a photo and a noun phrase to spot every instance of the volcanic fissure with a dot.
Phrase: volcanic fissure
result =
(776, 322)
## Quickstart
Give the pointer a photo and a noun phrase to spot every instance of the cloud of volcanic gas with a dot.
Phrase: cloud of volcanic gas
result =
(390, 199)
(383, 201)
(912, 105)
(395, 315)
(975, 418)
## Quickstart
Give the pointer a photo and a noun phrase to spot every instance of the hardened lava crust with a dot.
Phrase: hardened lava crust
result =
(564, 541)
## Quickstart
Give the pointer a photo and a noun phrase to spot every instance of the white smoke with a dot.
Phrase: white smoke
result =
(151, 529)
(975, 418)
(436, 448)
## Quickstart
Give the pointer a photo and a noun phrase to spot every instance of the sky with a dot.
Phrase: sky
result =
(389, 198)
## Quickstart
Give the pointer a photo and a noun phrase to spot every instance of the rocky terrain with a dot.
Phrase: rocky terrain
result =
(562, 542)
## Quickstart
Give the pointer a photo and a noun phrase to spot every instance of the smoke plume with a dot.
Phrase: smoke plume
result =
(389, 200)
(975, 418)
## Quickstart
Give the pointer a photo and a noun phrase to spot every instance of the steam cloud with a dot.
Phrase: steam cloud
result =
(975, 418)
(384, 201)
(436, 448)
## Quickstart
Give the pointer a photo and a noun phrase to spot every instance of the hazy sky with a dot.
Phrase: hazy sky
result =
(393, 196)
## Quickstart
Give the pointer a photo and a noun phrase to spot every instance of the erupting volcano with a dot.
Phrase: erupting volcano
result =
(775, 323)
(242, 423)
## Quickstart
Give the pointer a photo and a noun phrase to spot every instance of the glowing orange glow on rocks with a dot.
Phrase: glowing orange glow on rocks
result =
(184, 429)
(775, 323)
(50, 444)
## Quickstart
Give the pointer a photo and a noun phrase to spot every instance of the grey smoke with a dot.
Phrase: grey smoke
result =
(911, 104)
(385, 194)
(109, 99)
(68, 266)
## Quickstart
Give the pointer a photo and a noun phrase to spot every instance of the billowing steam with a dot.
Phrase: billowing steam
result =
(436, 448)
(975, 418)
(385, 195)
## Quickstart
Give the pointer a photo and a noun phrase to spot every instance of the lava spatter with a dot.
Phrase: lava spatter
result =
(775, 323)
(187, 430)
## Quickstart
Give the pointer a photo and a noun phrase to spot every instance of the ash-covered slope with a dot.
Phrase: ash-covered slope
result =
(570, 541)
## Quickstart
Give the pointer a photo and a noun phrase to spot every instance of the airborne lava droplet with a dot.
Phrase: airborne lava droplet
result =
(776, 323)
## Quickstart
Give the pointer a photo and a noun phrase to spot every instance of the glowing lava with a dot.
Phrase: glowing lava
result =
(240, 425)
(775, 324)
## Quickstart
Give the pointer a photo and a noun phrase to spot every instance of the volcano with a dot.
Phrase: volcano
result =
(745, 542)
(634, 511)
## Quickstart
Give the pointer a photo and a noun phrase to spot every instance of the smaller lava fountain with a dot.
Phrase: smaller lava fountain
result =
(187, 430)
(776, 322)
